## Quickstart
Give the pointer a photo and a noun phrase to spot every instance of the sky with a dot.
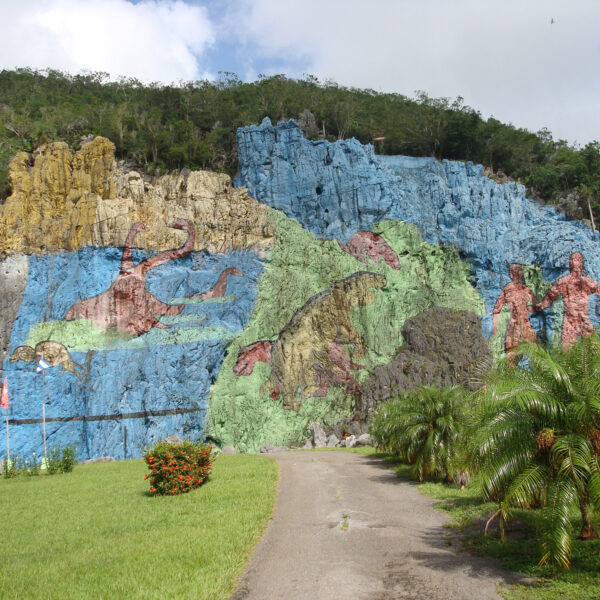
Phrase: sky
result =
(533, 63)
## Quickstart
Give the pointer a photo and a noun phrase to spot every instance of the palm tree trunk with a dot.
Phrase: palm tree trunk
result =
(587, 529)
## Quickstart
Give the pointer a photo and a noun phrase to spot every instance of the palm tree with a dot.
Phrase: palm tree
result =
(422, 428)
(538, 439)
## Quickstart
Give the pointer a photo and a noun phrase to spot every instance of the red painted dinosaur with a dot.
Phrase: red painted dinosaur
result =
(127, 305)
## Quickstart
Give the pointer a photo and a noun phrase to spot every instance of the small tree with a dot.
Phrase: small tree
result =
(538, 439)
(423, 428)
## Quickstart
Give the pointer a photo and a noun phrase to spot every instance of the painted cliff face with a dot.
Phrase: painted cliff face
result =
(346, 189)
(255, 321)
(109, 389)
(127, 306)
(308, 351)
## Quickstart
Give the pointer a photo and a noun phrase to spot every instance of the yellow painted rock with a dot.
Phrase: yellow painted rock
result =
(61, 201)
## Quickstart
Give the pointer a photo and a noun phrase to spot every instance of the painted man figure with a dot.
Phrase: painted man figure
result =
(575, 290)
(520, 302)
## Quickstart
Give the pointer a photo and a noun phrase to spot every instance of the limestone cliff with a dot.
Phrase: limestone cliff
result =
(337, 189)
(61, 201)
(181, 304)
(99, 279)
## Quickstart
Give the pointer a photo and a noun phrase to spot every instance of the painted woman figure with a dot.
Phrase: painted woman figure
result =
(520, 300)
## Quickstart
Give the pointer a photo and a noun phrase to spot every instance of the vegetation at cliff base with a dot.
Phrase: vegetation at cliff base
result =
(192, 125)
(99, 533)
(531, 439)
(520, 551)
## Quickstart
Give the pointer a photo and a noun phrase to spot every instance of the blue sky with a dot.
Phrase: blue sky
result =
(535, 63)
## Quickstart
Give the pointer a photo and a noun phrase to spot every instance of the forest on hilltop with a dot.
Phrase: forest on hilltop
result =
(162, 128)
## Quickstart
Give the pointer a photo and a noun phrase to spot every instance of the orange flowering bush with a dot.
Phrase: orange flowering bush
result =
(176, 469)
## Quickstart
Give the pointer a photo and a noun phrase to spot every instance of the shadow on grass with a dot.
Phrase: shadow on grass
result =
(388, 462)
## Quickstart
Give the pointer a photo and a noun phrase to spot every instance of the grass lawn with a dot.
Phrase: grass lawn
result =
(522, 550)
(97, 533)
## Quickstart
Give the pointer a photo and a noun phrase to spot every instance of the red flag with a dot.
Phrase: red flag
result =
(4, 400)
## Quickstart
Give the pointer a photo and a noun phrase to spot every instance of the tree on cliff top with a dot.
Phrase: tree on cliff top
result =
(192, 125)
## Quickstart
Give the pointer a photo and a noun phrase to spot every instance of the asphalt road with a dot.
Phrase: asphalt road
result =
(345, 527)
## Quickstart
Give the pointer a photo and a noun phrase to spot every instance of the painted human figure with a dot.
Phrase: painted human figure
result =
(575, 290)
(521, 301)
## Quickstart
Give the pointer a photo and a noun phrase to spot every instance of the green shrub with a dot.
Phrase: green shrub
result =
(31, 467)
(53, 462)
(423, 428)
(176, 469)
(61, 460)
(67, 461)
(9, 468)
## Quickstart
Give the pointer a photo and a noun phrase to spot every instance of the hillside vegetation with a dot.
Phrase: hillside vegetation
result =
(192, 125)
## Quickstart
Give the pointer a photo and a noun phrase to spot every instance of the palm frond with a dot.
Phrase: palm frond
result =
(557, 527)
(527, 485)
(572, 454)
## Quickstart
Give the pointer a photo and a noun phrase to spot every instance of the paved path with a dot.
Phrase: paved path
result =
(345, 527)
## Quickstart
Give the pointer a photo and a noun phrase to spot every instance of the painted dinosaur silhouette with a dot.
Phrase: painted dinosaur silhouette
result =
(366, 244)
(127, 305)
(218, 290)
(53, 353)
(307, 357)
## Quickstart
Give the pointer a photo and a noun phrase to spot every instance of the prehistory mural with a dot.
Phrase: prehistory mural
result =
(520, 301)
(127, 306)
(262, 397)
(323, 281)
(137, 331)
(575, 290)
(346, 188)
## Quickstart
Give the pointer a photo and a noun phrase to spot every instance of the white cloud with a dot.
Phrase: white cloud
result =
(153, 40)
(505, 58)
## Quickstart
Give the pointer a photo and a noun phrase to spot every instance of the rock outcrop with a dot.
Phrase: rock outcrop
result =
(142, 319)
(330, 344)
(67, 201)
(54, 196)
(435, 352)
(337, 189)
(253, 310)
